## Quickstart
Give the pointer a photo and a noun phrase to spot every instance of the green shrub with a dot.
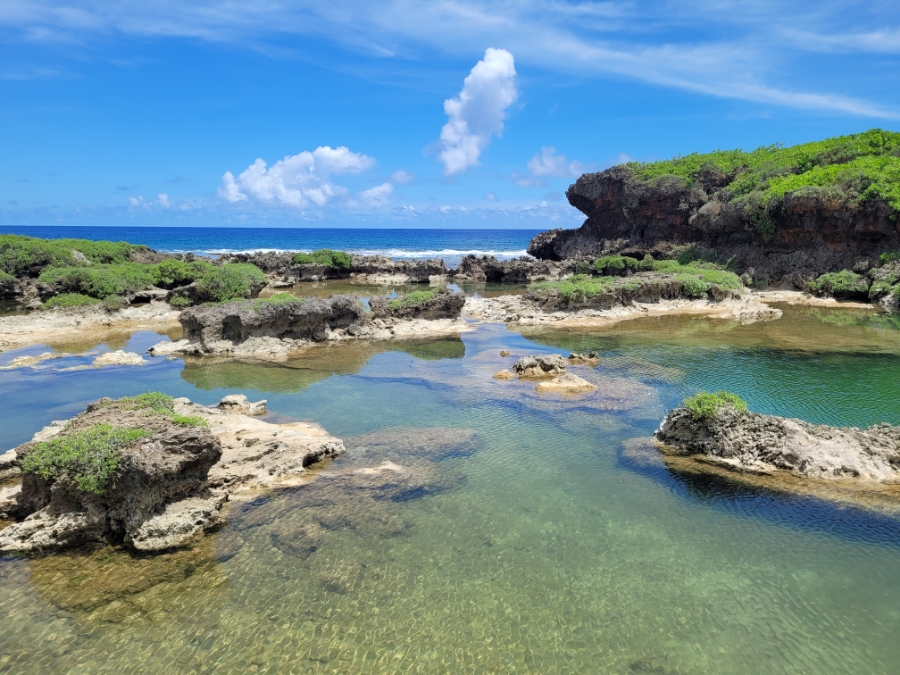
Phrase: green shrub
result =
(324, 256)
(6, 278)
(277, 300)
(840, 283)
(101, 281)
(70, 300)
(114, 303)
(233, 281)
(172, 273)
(89, 457)
(889, 257)
(577, 288)
(860, 166)
(705, 405)
(613, 264)
(180, 302)
(414, 299)
(692, 285)
(20, 255)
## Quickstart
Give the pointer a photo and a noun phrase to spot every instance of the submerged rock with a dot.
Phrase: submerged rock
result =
(567, 383)
(765, 443)
(119, 358)
(168, 481)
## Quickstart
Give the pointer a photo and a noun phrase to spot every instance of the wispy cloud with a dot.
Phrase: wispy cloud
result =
(720, 48)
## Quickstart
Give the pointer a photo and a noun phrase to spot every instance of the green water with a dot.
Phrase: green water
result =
(531, 542)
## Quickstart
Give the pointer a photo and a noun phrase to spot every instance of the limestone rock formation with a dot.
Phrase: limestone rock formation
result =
(519, 271)
(764, 443)
(168, 485)
(812, 231)
(119, 358)
(542, 365)
(567, 383)
(445, 304)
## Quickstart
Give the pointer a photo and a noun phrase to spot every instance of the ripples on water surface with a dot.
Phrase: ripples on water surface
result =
(537, 541)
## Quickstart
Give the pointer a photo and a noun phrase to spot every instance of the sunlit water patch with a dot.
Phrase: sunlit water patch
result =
(524, 539)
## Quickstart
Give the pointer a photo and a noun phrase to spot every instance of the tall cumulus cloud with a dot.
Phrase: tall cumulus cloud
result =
(478, 112)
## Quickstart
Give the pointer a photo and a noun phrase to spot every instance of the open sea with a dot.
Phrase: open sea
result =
(451, 245)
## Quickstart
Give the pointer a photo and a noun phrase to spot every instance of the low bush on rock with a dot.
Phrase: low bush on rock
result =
(705, 405)
(577, 288)
(844, 283)
(324, 256)
(278, 300)
(414, 299)
(70, 300)
(20, 255)
(615, 264)
(89, 457)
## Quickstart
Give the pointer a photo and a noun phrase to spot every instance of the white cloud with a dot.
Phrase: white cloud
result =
(401, 177)
(299, 181)
(550, 165)
(138, 201)
(491, 197)
(478, 112)
(164, 200)
(373, 197)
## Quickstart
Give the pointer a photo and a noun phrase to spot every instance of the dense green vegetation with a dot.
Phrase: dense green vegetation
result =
(70, 300)
(324, 256)
(100, 281)
(856, 167)
(89, 457)
(163, 405)
(577, 288)
(613, 264)
(705, 405)
(20, 255)
(844, 282)
(5, 278)
(229, 282)
(698, 278)
(414, 299)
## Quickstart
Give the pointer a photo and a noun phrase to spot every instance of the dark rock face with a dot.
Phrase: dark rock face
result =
(444, 305)
(763, 443)
(418, 271)
(9, 289)
(310, 319)
(520, 271)
(812, 230)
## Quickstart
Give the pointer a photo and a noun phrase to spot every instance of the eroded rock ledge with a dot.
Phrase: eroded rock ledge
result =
(764, 444)
(168, 485)
(273, 329)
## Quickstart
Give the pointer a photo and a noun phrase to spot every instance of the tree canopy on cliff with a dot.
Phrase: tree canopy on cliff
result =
(861, 166)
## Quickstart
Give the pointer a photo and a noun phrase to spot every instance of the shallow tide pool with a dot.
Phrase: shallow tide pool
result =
(536, 541)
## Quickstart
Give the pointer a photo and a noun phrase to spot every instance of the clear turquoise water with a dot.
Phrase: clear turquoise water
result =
(538, 545)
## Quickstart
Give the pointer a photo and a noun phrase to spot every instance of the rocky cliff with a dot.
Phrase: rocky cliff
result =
(783, 214)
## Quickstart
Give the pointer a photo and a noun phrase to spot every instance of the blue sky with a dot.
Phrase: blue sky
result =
(403, 113)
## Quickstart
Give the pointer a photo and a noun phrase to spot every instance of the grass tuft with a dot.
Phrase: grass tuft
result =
(414, 299)
(577, 288)
(614, 264)
(840, 283)
(705, 405)
(89, 457)
(278, 300)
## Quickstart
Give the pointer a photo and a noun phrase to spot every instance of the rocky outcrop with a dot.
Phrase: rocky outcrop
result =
(309, 319)
(542, 365)
(444, 304)
(119, 358)
(169, 485)
(809, 232)
(519, 271)
(755, 443)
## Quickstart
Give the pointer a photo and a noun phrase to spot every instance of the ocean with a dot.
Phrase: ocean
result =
(451, 245)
